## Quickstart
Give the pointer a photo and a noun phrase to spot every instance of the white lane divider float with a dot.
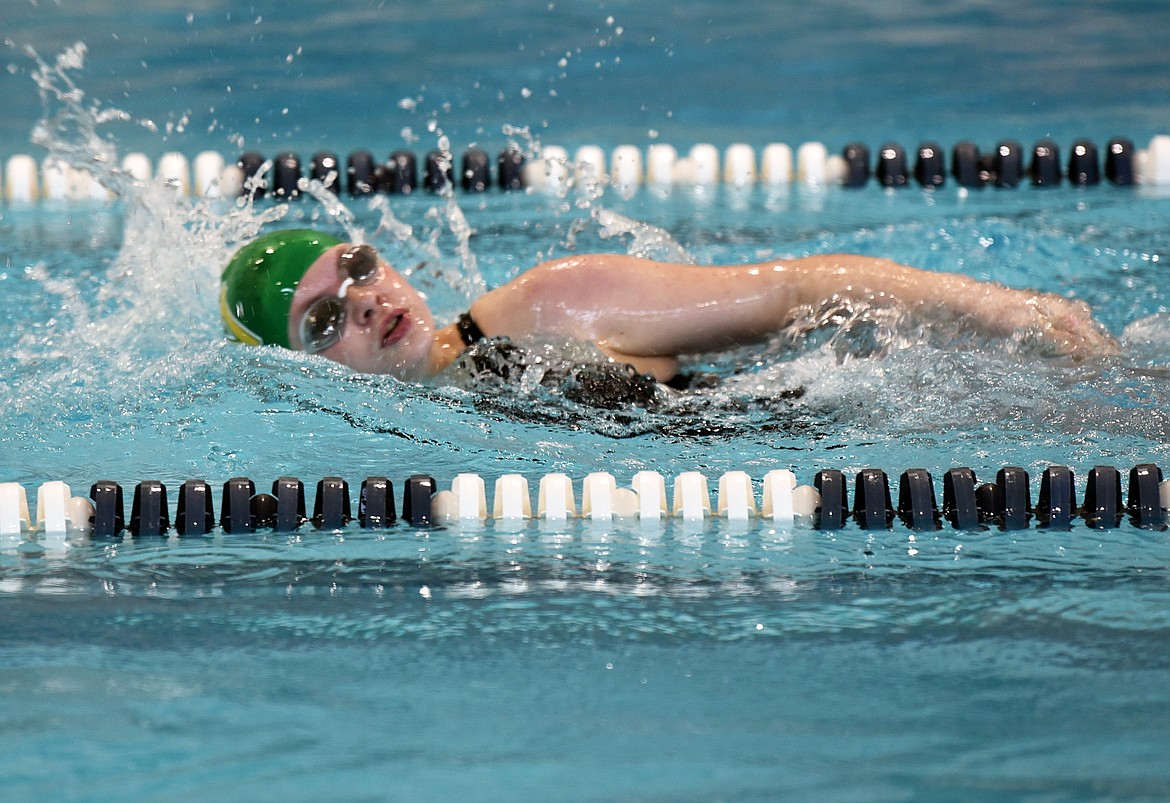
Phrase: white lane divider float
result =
(692, 500)
(603, 500)
(58, 513)
(555, 500)
(512, 501)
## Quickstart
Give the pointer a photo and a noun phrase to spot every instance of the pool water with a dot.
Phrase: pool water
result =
(618, 660)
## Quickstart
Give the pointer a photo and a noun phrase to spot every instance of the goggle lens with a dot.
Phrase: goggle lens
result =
(322, 323)
(358, 264)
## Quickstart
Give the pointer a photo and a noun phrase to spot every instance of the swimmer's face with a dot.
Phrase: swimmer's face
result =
(387, 329)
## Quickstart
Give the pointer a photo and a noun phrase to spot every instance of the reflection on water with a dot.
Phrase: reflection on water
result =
(677, 579)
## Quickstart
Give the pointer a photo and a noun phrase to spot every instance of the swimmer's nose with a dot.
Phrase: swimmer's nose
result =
(363, 304)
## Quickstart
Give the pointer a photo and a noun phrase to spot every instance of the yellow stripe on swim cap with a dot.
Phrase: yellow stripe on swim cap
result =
(236, 329)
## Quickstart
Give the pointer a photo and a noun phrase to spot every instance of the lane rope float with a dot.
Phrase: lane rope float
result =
(284, 176)
(1005, 503)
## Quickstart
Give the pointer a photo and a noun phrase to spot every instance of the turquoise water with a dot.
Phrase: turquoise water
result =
(584, 662)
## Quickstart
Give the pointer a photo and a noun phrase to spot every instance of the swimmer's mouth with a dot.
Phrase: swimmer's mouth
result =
(396, 329)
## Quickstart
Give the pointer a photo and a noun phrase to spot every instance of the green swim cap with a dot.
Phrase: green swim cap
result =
(259, 283)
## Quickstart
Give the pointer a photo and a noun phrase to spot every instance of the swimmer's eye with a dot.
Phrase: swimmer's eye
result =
(324, 321)
(322, 324)
(358, 265)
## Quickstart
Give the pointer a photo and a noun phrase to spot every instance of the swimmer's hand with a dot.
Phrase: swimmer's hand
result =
(1059, 325)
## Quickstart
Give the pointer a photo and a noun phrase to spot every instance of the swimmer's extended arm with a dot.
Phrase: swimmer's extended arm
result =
(635, 309)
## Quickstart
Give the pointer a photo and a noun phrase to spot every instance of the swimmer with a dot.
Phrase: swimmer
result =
(308, 291)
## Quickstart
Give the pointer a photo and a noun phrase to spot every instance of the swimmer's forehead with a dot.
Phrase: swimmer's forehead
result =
(323, 279)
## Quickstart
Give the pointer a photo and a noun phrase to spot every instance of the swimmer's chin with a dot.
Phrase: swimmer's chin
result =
(400, 352)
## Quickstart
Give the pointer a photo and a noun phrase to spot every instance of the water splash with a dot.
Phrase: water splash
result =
(162, 284)
(1148, 339)
(646, 240)
(71, 137)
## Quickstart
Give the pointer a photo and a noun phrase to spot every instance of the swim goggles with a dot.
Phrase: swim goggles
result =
(323, 323)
